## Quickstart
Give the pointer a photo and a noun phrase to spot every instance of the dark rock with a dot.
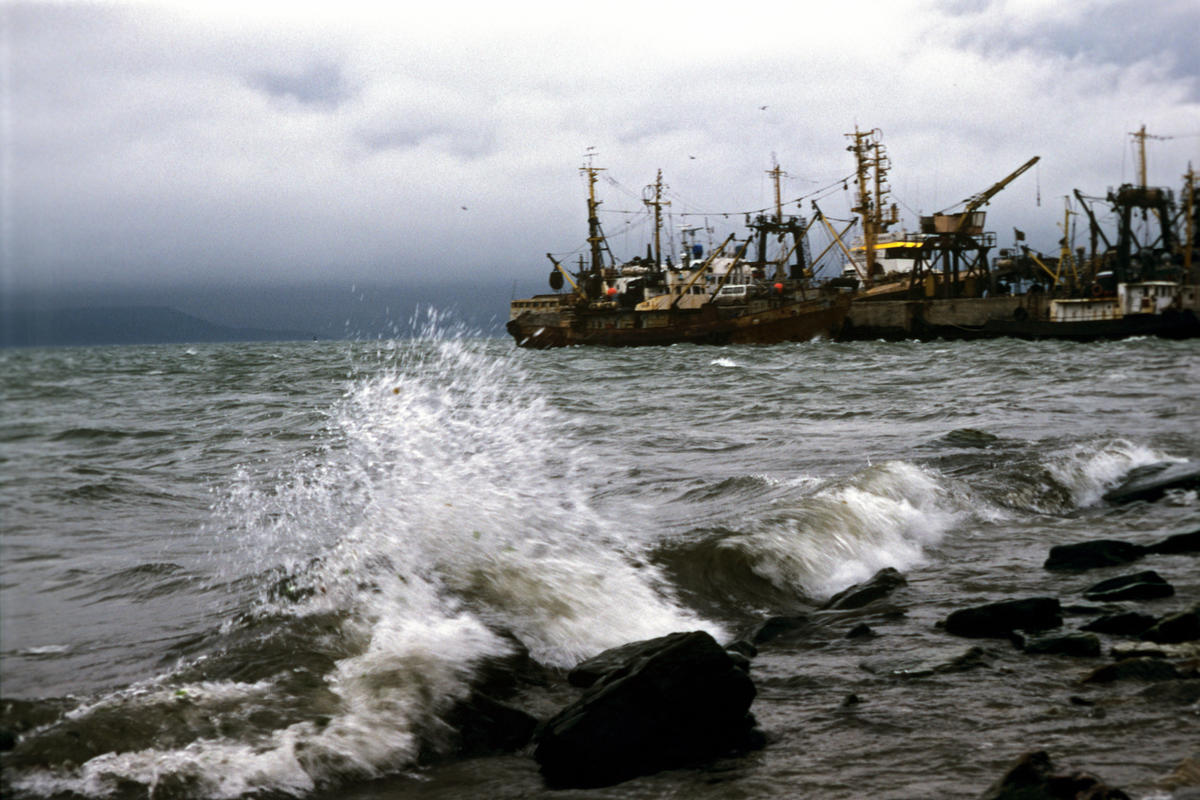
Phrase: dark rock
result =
(8, 740)
(589, 671)
(880, 585)
(861, 631)
(1179, 543)
(1085, 645)
(739, 661)
(851, 700)
(679, 700)
(486, 726)
(1034, 777)
(1176, 692)
(742, 646)
(1088, 555)
(1148, 585)
(1001, 619)
(1076, 700)
(1138, 669)
(783, 628)
(1181, 627)
(1126, 623)
(1153, 481)
(972, 658)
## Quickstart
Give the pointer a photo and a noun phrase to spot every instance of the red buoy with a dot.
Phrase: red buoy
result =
(612, 290)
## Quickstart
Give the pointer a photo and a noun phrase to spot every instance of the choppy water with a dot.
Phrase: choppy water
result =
(271, 568)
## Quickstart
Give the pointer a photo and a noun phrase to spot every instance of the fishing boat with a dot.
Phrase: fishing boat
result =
(719, 297)
(1142, 282)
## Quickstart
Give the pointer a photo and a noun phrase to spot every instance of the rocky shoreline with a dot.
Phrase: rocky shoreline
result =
(682, 700)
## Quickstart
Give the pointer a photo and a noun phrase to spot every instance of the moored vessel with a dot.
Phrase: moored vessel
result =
(722, 297)
(1142, 282)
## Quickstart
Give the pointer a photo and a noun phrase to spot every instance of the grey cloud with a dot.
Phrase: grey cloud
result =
(322, 85)
(1120, 33)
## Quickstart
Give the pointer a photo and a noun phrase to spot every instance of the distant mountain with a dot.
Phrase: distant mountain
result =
(123, 325)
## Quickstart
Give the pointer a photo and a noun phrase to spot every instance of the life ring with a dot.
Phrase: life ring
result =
(1097, 290)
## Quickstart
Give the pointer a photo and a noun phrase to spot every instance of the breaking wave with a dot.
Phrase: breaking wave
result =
(443, 522)
(886, 515)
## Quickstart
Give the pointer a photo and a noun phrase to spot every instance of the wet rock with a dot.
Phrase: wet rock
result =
(679, 700)
(1084, 645)
(1138, 669)
(1180, 650)
(742, 646)
(861, 631)
(1034, 777)
(1179, 543)
(1089, 555)
(1178, 692)
(1173, 628)
(1184, 781)
(1152, 482)
(789, 627)
(972, 658)
(589, 671)
(1125, 623)
(880, 585)
(486, 726)
(891, 666)
(739, 661)
(1148, 585)
(1001, 619)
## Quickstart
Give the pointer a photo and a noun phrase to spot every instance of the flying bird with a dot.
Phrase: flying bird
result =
(762, 108)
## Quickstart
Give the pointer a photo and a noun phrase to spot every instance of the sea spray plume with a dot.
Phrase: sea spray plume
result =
(444, 507)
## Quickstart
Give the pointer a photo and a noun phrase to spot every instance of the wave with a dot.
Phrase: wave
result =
(886, 515)
(1088, 469)
(444, 523)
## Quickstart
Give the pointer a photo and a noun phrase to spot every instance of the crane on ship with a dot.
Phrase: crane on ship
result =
(963, 221)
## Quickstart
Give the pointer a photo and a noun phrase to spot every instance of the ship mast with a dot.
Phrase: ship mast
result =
(595, 235)
(1141, 137)
(776, 173)
(872, 167)
(1189, 221)
(656, 191)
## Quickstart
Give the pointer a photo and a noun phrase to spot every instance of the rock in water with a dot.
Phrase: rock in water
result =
(1152, 482)
(881, 584)
(1137, 669)
(1124, 623)
(1181, 627)
(681, 700)
(1084, 645)
(1178, 543)
(1033, 777)
(1001, 619)
(1098, 553)
(1148, 585)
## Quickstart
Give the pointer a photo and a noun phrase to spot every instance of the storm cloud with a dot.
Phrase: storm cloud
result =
(156, 143)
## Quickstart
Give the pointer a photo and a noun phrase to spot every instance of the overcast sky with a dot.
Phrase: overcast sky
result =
(243, 143)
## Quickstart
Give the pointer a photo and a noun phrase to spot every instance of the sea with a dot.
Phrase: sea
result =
(273, 569)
